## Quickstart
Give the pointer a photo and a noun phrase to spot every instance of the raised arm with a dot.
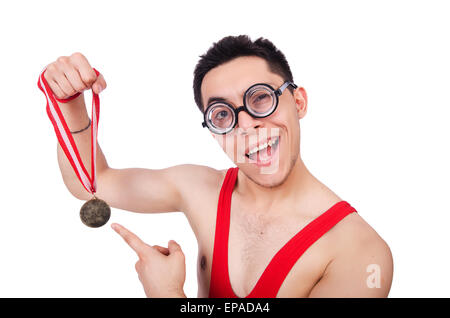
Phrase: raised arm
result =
(134, 189)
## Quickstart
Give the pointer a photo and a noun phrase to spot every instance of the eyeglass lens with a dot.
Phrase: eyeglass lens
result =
(221, 116)
(260, 101)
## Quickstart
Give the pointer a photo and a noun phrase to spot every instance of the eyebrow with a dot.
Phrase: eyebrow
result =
(215, 99)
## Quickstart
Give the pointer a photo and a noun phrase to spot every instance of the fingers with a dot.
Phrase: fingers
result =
(72, 74)
(58, 81)
(87, 73)
(99, 84)
(174, 248)
(141, 248)
(162, 250)
(56, 89)
(69, 75)
(132, 240)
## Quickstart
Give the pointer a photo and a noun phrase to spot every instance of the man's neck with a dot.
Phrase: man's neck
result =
(293, 189)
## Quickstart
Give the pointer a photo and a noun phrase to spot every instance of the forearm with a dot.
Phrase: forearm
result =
(76, 116)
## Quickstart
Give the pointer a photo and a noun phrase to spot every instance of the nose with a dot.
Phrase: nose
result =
(246, 121)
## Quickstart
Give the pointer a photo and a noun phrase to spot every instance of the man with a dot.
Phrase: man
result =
(288, 234)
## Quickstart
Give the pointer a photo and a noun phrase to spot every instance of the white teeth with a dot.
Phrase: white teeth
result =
(261, 147)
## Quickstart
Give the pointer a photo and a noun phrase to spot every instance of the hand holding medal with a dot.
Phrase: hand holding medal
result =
(95, 212)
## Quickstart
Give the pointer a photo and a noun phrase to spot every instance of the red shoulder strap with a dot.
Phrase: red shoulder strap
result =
(220, 286)
(281, 264)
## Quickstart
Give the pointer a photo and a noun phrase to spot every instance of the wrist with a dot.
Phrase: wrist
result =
(68, 99)
(75, 114)
(83, 129)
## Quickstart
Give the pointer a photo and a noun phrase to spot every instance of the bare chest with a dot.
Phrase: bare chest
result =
(255, 240)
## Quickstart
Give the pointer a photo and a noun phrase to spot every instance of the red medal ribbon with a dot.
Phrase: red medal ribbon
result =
(64, 136)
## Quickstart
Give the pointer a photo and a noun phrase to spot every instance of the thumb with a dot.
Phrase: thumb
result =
(99, 84)
(174, 247)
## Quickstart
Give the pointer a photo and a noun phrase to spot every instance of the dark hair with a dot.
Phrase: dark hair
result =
(231, 47)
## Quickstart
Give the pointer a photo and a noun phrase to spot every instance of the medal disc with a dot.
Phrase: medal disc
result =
(95, 213)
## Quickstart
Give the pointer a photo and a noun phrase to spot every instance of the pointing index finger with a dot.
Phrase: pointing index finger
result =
(131, 239)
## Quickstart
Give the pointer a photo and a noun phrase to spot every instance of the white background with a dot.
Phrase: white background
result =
(377, 74)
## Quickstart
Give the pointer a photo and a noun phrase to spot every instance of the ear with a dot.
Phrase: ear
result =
(301, 102)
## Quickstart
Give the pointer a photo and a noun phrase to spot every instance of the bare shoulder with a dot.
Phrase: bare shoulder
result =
(195, 182)
(356, 236)
(361, 265)
(199, 187)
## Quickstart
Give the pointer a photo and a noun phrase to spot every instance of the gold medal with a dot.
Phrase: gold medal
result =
(95, 212)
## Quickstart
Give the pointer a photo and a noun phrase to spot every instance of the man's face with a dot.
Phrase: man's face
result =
(268, 167)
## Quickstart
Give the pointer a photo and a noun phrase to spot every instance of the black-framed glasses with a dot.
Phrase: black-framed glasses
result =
(260, 100)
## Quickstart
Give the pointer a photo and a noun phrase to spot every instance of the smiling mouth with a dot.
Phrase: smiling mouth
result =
(265, 150)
